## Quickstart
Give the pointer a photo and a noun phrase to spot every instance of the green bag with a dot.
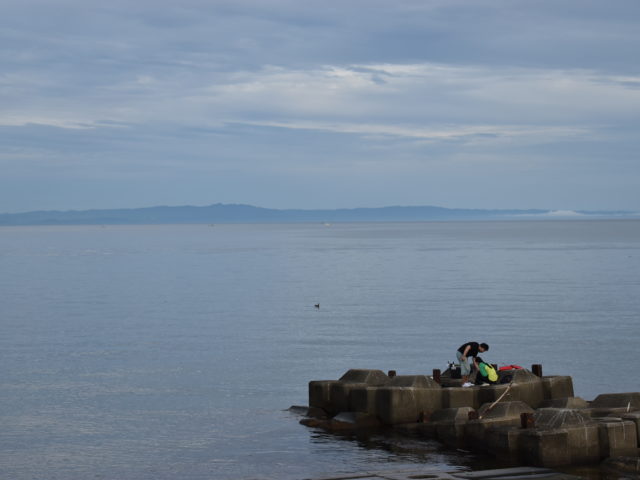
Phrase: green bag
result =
(488, 371)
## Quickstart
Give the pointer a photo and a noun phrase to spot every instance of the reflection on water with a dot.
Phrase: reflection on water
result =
(389, 447)
(164, 352)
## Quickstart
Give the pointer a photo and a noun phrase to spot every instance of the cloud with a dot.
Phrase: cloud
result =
(445, 88)
(417, 95)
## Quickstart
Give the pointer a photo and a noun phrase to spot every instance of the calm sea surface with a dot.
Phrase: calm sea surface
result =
(173, 352)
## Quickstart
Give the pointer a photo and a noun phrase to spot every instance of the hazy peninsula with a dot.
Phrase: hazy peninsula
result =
(238, 213)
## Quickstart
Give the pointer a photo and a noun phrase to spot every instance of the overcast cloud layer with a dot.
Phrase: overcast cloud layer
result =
(320, 104)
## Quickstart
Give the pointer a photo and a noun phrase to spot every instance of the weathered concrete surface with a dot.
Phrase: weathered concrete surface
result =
(322, 392)
(566, 402)
(363, 399)
(582, 434)
(526, 387)
(614, 403)
(415, 381)
(635, 418)
(370, 377)
(456, 397)
(447, 425)
(617, 437)
(557, 387)
(396, 405)
(550, 418)
(544, 447)
(503, 414)
(340, 394)
(503, 442)
(555, 428)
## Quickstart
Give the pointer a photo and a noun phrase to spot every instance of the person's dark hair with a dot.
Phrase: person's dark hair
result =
(484, 346)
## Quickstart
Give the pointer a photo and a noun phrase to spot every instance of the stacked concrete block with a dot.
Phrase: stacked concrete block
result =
(617, 437)
(333, 395)
(524, 386)
(503, 442)
(503, 414)
(615, 403)
(341, 394)
(363, 399)
(447, 425)
(526, 418)
(635, 418)
(566, 402)
(456, 397)
(408, 399)
(557, 387)
(580, 432)
(548, 448)
(319, 394)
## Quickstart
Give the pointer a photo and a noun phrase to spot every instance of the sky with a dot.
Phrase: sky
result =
(317, 104)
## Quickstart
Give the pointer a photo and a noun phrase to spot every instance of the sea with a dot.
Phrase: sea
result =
(176, 351)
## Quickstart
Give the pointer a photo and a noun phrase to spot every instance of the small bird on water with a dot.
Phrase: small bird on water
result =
(317, 305)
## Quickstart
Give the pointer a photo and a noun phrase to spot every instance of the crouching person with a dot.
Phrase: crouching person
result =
(486, 373)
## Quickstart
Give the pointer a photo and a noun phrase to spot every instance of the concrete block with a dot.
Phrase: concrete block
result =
(525, 387)
(635, 418)
(544, 448)
(614, 403)
(566, 402)
(631, 401)
(456, 397)
(504, 442)
(415, 381)
(451, 415)
(505, 414)
(550, 418)
(340, 394)
(517, 376)
(452, 435)
(617, 438)
(448, 425)
(530, 393)
(489, 394)
(557, 387)
(320, 394)
(583, 442)
(363, 399)
(503, 410)
(396, 405)
(370, 377)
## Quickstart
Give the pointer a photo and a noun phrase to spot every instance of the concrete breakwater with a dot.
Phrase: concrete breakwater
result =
(526, 418)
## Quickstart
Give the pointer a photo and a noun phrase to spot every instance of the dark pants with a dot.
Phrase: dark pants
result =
(480, 379)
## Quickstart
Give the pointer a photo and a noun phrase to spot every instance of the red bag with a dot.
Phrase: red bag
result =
(510, 367)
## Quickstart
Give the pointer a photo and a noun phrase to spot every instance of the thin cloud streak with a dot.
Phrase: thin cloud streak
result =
(423, 98)
(417, 93)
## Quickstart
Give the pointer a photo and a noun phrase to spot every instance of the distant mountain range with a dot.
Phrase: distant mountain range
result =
(232, 213)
